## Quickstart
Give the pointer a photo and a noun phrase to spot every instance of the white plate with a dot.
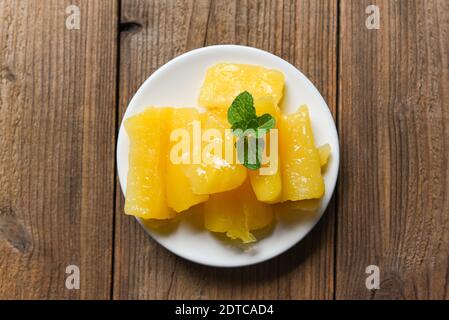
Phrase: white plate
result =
(178, 83)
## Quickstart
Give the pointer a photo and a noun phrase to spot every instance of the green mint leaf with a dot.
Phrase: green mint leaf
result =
(241, 153)
(242, 117)
(242, 128)
(252, 166)
(254, 154)
(252, 124)
(242, 109)
(238, 128)
(266, 121)
(250, 152)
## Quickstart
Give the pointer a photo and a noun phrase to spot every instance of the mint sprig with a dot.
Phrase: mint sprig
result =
(242, 117)
(242, 109)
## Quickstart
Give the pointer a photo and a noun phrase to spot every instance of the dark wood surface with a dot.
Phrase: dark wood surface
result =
(57, 136)
(394, 131)
(63, 94)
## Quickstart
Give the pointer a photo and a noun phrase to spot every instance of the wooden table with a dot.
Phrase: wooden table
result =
(63, 93)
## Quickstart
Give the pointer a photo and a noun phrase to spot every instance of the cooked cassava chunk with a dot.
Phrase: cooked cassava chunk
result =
(267, 181)
(224, 81)
(180, 196)
(145, 189)
(301, 163)
(214, 173)
(236, 213)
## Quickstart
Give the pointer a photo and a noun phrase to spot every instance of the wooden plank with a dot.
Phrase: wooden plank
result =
(57, 127)
(302, 32)
(153, 33)
(393, 117)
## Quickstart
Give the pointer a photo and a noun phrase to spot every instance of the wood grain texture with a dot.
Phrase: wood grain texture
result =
(394, 181)
(302, 32)
(57, 125)
(57, 136)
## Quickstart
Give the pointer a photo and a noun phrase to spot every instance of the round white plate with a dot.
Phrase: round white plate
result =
(178, 83)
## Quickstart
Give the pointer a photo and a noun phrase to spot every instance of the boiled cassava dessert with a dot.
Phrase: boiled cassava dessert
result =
(233, 162)
(301, 164)
(267, 187)
(236, 213)
(180, 195)
(145, 189)
(224, 81)
(324, 151)
(215, 173)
